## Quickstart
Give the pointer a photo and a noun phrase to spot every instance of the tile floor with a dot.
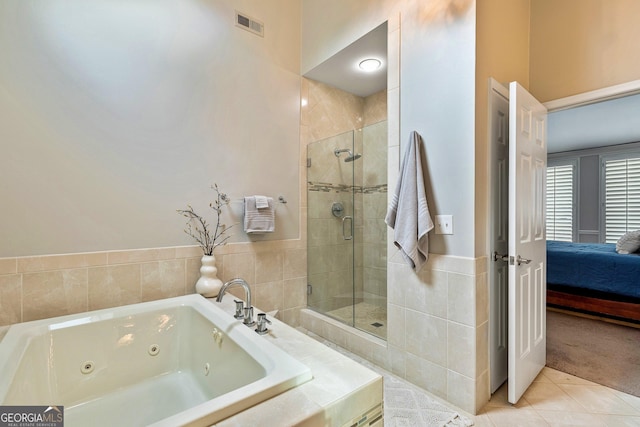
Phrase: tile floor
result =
(555, 399)
(558, 399)
(406, 405)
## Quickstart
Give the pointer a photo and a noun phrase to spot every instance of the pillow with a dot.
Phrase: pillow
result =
(629, 242)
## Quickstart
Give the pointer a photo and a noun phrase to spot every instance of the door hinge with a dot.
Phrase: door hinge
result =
(308, 162)
(499, 257)
(309, 289)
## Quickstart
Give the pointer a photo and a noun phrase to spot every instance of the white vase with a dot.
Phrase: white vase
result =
(208, 284)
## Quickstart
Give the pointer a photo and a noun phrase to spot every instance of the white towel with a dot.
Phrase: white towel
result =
(262, 202)
(258, 220)
(408, 213)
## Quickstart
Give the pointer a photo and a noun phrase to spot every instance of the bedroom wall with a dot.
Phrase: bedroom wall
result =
(579, 46)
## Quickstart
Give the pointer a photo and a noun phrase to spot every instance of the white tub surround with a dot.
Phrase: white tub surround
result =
(340, 393)
(178, 361)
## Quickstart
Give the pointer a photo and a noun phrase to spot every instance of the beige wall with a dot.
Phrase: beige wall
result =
(582, 45)
(111, 118)
(502, 52)
(114, 115)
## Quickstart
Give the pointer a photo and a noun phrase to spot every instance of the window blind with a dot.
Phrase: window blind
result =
(560, 202)
(622, 197)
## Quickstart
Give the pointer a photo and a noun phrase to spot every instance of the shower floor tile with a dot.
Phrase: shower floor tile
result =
(369, 318)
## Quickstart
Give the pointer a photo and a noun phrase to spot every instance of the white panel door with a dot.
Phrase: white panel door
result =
(527, 244)
(499, 234)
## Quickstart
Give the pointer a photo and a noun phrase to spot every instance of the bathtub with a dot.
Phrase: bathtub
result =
(179, 361)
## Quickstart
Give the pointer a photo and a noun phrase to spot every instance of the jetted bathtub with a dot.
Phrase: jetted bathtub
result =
(178, 361)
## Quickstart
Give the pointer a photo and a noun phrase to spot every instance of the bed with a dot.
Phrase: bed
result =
(593, 278)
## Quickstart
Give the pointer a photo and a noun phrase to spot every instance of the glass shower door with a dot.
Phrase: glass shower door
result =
(346, 232)
(330, 226)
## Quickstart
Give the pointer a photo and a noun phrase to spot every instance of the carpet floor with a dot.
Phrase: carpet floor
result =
(598, 351)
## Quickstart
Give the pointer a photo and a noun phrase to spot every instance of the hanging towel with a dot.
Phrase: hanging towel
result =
(408, 213)
(258, 220)
(262, 202)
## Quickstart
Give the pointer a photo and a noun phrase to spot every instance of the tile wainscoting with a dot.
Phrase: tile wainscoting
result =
(438, 331)
(38, 287)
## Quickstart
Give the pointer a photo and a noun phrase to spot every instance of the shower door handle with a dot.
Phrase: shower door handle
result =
(350, 236)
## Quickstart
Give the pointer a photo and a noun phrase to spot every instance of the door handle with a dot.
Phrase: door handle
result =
(498, 257)
(520, 260)
(350, 236)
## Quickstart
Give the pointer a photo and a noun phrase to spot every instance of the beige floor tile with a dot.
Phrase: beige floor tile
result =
(499, 399)
(559, 377)
(509, 417)
(630, 399)
(559, 399)
(599, 399)
(571, 419)
(550, 397)
(482, 419)
(620, 421)
(542, 378)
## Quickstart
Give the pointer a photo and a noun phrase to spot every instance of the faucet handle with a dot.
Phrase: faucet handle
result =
(262, 324)
(239, 309)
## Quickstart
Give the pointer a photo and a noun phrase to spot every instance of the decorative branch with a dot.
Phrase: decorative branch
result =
(198, 228)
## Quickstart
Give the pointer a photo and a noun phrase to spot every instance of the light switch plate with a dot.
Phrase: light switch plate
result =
(444, 224)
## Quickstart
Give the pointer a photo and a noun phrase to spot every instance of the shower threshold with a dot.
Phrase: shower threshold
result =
(368, 317)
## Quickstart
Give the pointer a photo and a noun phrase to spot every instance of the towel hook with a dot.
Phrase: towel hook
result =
(281, 199)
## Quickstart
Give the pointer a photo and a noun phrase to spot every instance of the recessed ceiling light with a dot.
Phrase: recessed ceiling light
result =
(370, 64)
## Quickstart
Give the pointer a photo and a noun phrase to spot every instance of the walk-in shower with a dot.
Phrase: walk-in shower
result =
(346, 234)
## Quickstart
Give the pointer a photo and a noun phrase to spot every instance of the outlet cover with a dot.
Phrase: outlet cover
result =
(444, 224)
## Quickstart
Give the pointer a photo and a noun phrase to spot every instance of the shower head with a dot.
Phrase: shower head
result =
(350, 158)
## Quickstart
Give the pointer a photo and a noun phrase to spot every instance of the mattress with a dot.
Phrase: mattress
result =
(593, 266)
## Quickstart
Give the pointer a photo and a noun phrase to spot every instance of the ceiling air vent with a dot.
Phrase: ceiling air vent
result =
(249, 24)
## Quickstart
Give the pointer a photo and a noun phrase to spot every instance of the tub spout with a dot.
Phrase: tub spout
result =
(248, 310)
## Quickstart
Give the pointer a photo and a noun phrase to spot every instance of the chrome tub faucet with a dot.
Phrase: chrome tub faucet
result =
(248, 310)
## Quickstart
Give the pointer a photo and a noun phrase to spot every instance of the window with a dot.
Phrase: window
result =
(621, 196)
(561, 202)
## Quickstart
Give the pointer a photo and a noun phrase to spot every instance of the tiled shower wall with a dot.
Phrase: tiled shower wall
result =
(374, 208)
(328, 113)
(39, 287)
(331, 115)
